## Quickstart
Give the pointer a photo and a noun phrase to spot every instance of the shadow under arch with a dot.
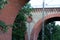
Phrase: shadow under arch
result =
(52, 19)
(45, 23)
(37, 26)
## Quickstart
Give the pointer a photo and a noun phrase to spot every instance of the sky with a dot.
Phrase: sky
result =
(57, 23)
(48, 3)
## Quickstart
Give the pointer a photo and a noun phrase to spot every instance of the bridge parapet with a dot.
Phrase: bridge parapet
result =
(52, 11)
(37, 12)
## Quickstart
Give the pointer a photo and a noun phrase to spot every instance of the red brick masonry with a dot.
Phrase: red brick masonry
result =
(8, 14)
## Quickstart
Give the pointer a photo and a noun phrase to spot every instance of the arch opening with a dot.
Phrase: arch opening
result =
(46, 24)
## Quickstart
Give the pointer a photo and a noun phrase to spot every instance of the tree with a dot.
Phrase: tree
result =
(19, 27)
(50, 29)
(56, 35)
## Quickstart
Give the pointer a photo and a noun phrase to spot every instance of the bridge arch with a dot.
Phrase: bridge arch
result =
(37, 26)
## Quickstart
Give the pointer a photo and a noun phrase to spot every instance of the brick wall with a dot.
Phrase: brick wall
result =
(8, 14)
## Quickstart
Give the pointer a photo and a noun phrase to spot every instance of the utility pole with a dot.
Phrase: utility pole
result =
(43, 21)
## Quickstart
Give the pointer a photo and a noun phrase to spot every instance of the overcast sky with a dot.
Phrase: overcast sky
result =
(48, 3)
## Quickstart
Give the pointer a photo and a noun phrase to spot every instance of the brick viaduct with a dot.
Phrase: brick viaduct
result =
(51, 14)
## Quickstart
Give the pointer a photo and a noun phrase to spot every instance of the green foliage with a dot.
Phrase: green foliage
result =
(19, 27)
(2, 3)
(3, 26)
(26, 9)
(56, 35)
(47, 31)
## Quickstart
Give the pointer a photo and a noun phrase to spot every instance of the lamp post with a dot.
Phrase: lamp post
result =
(50, 28)
(29, 20)
(43, 21)
(51, 33)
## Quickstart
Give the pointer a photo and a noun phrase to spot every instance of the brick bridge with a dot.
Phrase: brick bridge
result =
(9, 13)
(51, 14)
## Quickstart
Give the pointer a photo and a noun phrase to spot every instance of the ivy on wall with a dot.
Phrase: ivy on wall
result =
(2, 3)
(3, 27)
